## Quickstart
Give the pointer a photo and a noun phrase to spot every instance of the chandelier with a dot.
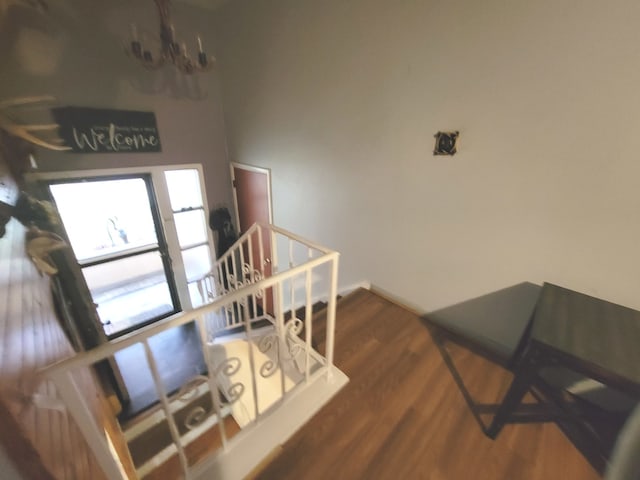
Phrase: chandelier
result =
(170, 50)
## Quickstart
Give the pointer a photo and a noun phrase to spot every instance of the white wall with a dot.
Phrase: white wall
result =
(76, 52)
(341, 100)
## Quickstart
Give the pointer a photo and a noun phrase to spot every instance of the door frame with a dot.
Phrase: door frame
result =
(251, 168)
(270, 246)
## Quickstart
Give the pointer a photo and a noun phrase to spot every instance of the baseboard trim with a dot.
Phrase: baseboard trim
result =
(401, 302)
(346, 290)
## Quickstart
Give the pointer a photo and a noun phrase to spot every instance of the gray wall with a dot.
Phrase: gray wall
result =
(341, 100)
(76, 53)
(8, 469)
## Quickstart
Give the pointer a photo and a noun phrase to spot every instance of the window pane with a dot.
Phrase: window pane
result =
(191, 227)
(105, 217)
(197, 262)
(184, 189)
(129, 291)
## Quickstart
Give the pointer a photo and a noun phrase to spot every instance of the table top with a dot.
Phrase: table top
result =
(593, 331)
(495, 321)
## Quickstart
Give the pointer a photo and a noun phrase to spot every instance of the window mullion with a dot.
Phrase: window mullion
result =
(171, 236)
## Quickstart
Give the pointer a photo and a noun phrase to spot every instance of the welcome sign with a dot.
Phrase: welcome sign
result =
(93, 130)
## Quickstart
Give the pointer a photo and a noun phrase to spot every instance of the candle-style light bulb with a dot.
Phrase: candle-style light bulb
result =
(136, 46)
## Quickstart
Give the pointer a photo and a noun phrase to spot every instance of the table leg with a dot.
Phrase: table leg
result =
(522, 380)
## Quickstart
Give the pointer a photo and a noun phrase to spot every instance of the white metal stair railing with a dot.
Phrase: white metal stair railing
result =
(248, 283)
(262, 251)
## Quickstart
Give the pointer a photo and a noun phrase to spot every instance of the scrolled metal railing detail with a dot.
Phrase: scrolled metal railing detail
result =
(265, 344)
(257, 276)
(189, 389)
(218, 284)
(293, 328)
(234, 392)
(195, 418)
(294, 348)
(250, 276)
(227, 368)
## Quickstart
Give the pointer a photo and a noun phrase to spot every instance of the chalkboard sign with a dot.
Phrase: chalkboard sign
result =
(93, 130)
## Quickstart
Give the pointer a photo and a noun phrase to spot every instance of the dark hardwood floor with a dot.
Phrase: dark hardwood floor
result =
(402, 417)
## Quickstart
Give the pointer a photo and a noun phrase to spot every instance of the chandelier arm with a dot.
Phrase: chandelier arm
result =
(154, 64)
(170, 50)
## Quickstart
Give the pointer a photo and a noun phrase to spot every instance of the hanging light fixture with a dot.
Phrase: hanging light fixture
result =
(170, 50)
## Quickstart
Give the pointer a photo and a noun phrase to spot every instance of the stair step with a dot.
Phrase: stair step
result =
(152, 435)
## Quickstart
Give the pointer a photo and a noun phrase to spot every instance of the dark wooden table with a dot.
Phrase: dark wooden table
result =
(593, 337)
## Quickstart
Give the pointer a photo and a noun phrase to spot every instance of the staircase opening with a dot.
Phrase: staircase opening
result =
(248, 387)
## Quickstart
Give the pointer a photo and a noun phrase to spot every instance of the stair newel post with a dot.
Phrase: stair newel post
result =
(228, 312)
(277, 289)
(261, 265)
(252, 361)
(237, 275)
(331, 313)
(278, 306)
(252, 304)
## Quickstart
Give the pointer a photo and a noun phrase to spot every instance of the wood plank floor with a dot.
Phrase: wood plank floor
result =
(31, 338)
(402, 417)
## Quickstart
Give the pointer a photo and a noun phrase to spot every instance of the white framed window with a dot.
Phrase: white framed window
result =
(125, 222)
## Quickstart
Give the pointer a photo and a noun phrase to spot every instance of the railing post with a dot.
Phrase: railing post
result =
(292, 305)
(213, 384)
(280, 331)
(331, 314)
(252, 361)
(77, 406)
(308, 313)
(164, 401)
(278, 307)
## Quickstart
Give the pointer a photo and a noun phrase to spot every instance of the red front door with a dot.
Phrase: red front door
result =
(251, 188)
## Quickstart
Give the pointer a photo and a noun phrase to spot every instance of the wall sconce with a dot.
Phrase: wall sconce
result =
(446, 143)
